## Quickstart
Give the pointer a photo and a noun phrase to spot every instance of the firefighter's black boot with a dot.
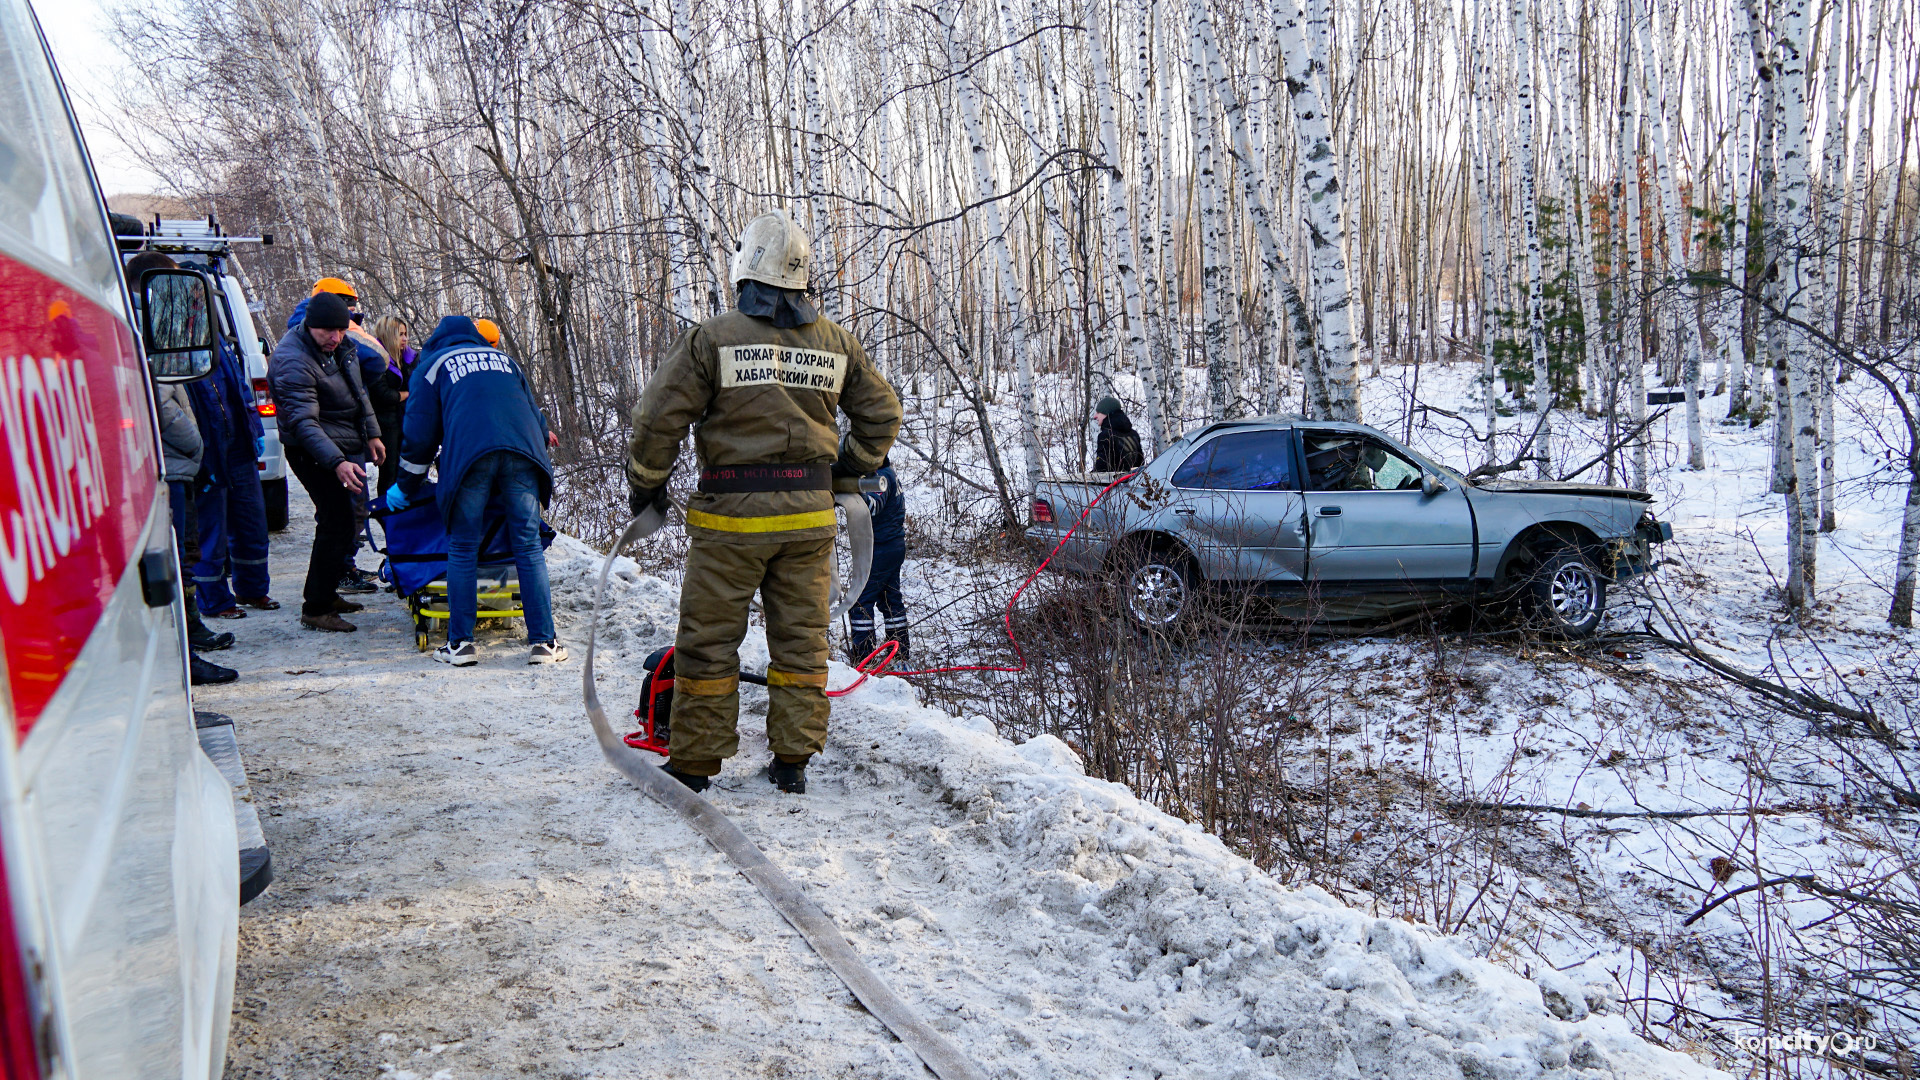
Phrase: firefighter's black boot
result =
(693, 783)
(899, 634)
(788, 776)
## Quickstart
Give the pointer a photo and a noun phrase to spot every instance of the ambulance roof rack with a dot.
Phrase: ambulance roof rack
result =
(195, 235)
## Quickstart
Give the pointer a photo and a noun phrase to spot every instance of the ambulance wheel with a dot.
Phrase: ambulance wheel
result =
(276, 495)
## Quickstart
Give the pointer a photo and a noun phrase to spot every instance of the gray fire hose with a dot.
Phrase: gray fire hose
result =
(939, 1055)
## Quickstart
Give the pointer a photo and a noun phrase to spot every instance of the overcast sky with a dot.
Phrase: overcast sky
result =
(77, 31)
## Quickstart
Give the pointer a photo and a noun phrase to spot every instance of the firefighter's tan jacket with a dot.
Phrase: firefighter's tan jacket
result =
(759, 395)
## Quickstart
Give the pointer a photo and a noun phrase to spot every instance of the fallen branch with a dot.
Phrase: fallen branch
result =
(1798, 698)
(1580, 812)
(1807, 883)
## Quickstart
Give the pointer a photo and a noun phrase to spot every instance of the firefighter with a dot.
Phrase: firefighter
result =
(760, 385)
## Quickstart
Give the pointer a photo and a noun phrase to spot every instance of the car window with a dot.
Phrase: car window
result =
(1192, 473)
(1252, 461)
(48, 212)
(1347, 461)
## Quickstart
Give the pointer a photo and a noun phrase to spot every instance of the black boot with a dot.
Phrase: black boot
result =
(790, 777)
(899, 634)
(860, 648)
(199, 638)
(205, 673)
(692, 783)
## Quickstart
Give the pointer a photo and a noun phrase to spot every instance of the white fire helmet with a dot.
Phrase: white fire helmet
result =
(772, 250)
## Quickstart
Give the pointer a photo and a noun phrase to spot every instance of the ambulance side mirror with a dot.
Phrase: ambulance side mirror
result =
(176, 324)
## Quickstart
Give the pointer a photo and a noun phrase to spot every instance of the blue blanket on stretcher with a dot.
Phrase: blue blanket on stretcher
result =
(416, 548)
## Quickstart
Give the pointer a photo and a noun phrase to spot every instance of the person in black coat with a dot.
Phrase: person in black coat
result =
(1117, 448)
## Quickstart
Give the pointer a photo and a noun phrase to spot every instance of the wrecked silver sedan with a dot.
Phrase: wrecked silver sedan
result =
(1339, 521)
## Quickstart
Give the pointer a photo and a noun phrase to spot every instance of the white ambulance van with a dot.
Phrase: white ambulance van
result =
(119, 881)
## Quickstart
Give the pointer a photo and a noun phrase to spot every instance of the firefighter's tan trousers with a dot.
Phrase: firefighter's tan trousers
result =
(793, 580)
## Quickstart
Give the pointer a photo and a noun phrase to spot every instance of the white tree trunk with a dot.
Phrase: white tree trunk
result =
(1201, 123)
(969, 95)
(1800, 274)
(1530, 224)
(693, 80)
(1674, 216)
(1152, 379)
(1321, 207)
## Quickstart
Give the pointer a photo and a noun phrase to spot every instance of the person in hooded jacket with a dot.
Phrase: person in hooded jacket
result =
(470, 406)
(881, 605)
(1117, 447)
(327, 427)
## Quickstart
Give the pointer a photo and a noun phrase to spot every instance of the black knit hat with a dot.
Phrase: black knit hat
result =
(327, 312)
(1108, 405)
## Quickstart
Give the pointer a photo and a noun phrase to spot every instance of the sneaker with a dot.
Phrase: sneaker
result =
(201, 639)
(328, 621)
(789, 778)
(547, 652)
(692, 783)
(205, 673)
(350, 583)
(457, 653)
(344, 606)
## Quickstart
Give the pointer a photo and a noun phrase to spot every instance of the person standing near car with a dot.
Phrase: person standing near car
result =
(881, 606)
(1117, 447)
(373, 360)
(471, 407)
(328, 426)
(762, 387)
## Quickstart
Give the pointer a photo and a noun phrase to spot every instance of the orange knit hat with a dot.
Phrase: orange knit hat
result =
(488, 329)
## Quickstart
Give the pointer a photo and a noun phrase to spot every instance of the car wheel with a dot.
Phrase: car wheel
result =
(1156, 592)
(1569, 594)
(276, 495)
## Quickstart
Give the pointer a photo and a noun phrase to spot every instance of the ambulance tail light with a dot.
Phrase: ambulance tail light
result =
(263, 399)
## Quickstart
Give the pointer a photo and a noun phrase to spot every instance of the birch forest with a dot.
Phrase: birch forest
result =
(1210, 208)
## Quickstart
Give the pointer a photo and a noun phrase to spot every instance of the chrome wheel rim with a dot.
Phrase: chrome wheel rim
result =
(1156, 594)
(1574, 594)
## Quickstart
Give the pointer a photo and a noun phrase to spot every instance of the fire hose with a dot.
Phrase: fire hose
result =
(939, 1055)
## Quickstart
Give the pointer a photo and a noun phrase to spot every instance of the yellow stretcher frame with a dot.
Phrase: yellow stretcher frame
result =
(498, 599)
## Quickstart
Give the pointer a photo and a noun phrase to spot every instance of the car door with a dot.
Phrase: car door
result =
(1371, 522)
(1239, 497)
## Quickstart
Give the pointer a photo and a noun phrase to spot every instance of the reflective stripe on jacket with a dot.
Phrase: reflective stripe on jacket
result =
(756, 394)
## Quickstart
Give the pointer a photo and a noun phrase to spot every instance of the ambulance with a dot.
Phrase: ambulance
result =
(120, 881)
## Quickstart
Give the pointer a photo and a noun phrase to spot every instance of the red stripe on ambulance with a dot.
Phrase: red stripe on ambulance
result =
(78, 484)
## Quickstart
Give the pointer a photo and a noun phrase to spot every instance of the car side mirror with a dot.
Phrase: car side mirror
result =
(1431, 485)
(176, 324)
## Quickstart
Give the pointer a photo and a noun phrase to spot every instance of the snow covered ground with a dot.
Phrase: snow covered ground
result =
(464, 889)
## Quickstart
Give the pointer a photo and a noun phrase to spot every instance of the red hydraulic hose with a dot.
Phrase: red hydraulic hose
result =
(876, 661)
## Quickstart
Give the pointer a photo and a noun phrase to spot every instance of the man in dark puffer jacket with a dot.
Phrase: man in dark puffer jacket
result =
(327, 425)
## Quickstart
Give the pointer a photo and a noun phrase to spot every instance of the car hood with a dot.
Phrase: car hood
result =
(1563, 487)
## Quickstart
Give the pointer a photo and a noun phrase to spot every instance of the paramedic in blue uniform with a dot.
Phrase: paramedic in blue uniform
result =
(232, 510)
(470, 405)
(889, 509)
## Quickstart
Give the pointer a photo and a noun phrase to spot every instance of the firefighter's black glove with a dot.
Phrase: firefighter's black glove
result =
(843, 468)
(639, 498)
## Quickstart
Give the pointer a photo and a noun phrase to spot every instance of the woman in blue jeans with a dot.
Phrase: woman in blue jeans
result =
(471, 407)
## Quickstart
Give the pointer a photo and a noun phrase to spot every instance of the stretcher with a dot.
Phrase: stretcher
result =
(415, 563)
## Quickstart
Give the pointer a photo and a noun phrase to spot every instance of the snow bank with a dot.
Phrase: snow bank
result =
(1180, 934)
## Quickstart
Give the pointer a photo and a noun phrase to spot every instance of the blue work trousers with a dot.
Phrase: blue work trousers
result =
(233, 536)
(513, 482)
(882, 591)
